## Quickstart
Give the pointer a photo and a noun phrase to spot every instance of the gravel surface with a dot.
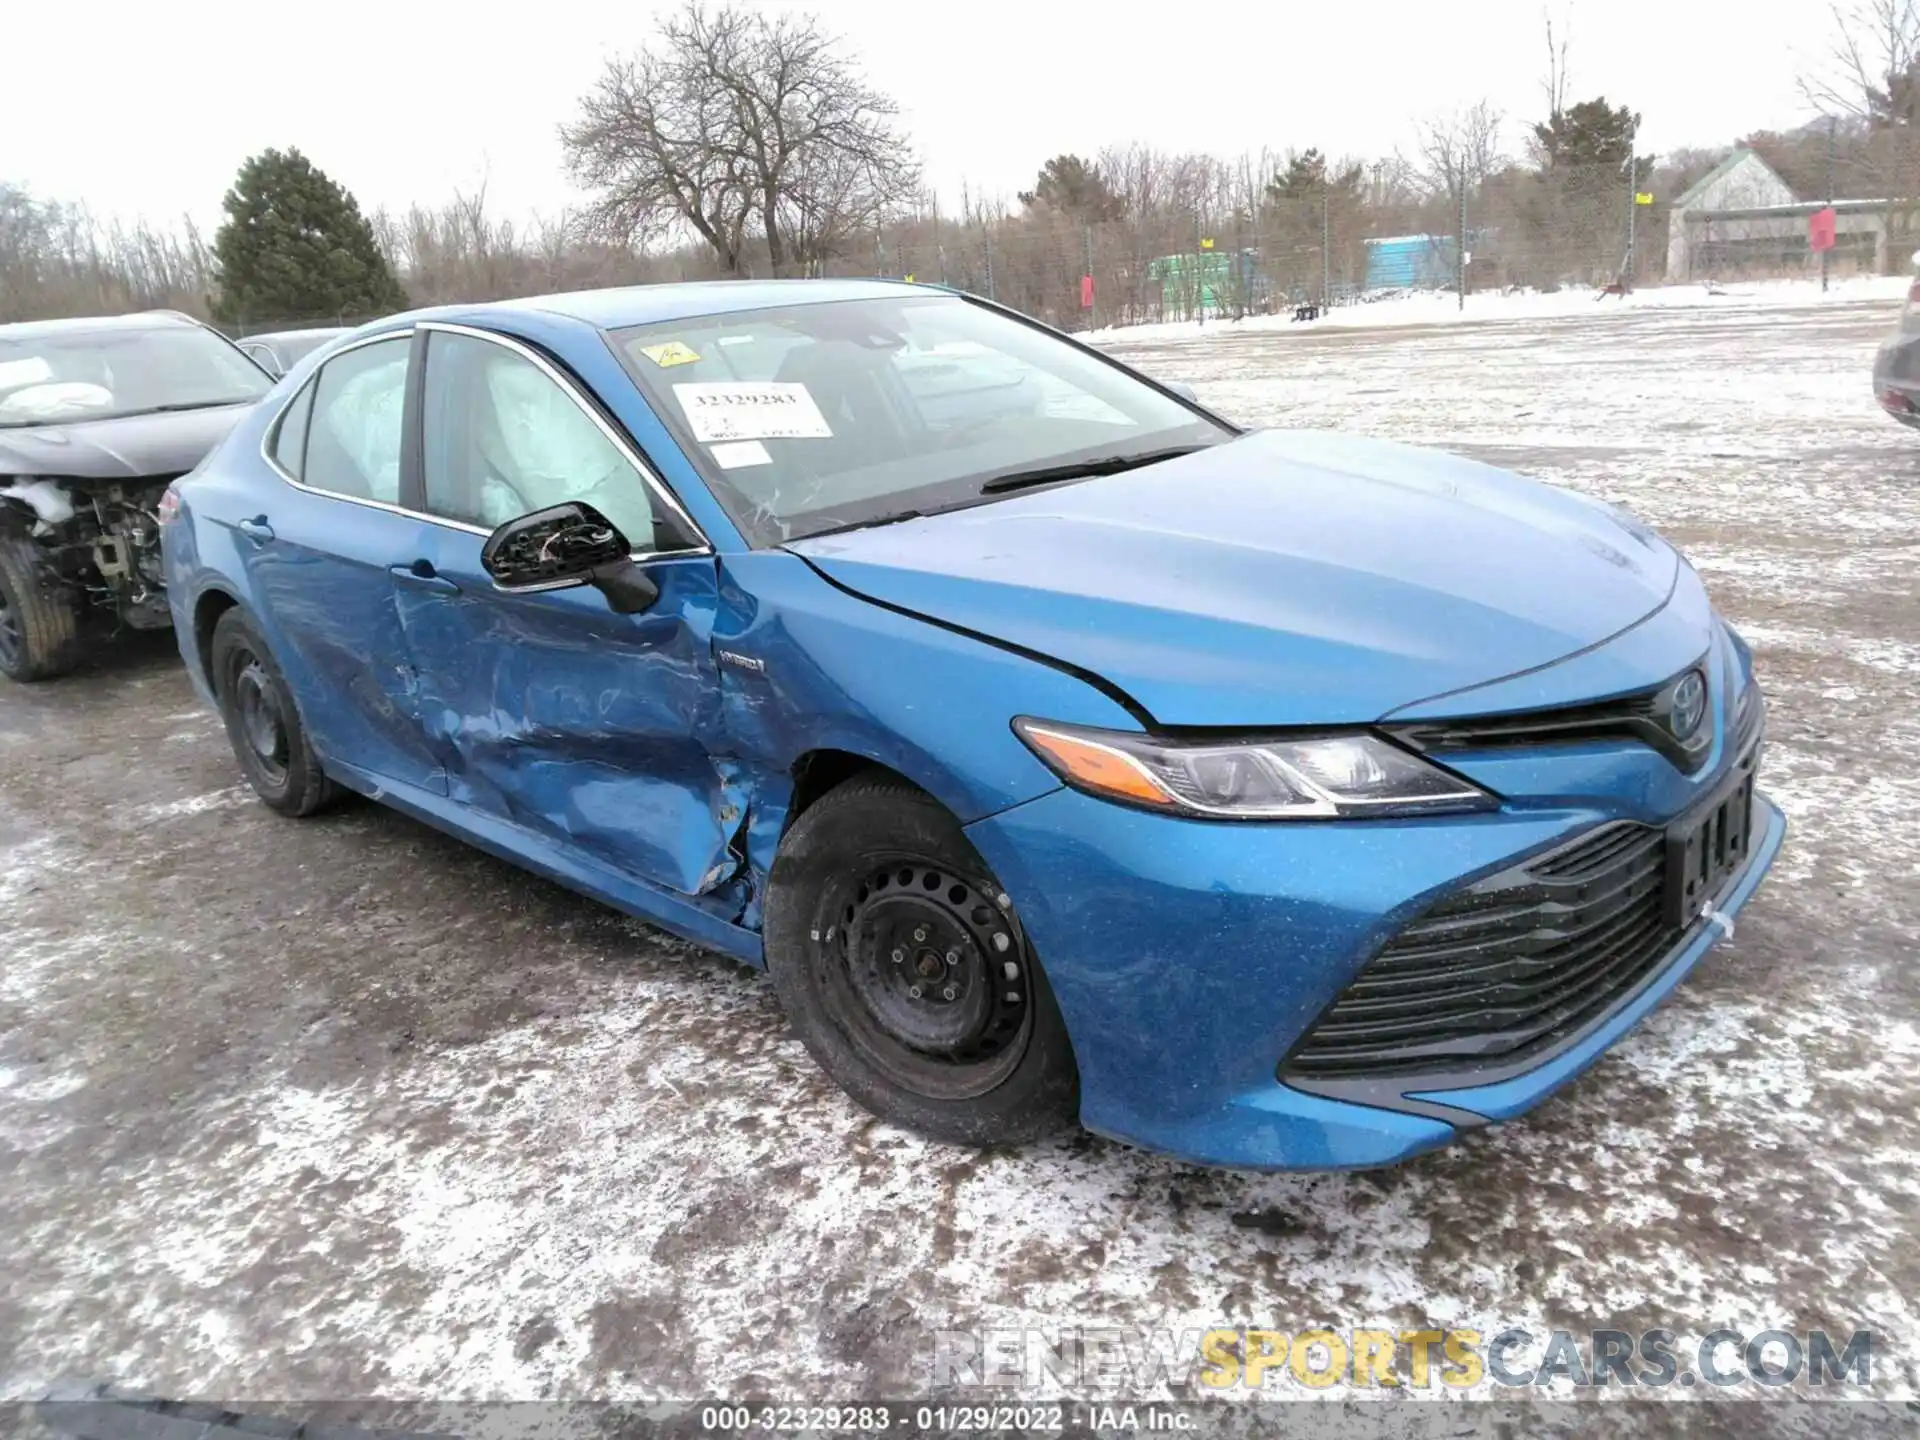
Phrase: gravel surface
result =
(343, 1108)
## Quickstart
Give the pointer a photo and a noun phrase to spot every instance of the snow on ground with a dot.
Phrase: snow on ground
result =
(1443, 307)
(345, 1108)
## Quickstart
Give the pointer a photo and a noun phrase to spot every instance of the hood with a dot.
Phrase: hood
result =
(131, 448)
(1284, 578)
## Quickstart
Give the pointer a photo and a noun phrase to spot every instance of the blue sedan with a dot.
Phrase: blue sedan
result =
(1062, 751)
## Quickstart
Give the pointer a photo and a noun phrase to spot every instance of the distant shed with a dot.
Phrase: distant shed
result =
(1741, 217)
(1410, 262)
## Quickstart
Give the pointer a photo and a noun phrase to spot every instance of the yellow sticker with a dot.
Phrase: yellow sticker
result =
(670, 354)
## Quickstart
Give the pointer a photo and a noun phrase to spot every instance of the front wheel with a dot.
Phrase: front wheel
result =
(39, 628)
(904, 971)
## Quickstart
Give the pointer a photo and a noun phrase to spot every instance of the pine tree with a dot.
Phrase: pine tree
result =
(294, 246)
(1308, 177)
(1070, 185)
(1587, 136)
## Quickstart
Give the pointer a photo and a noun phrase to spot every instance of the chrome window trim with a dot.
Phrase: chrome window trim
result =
(703, 546)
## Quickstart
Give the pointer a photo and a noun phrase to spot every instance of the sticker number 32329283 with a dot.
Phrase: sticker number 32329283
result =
(751, 410)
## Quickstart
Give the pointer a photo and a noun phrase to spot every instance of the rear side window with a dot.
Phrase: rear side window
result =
(353, 434)
(290, 436)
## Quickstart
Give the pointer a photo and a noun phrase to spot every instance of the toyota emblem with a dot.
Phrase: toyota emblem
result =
(1689, 705)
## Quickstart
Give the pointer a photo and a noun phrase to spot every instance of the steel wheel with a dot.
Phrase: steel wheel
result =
(257, 710)
(262, 720)
(936, 972)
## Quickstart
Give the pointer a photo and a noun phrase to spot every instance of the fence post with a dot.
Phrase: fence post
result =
(1093, 310)
(1326, 250)
(1826, 255)
(1460, 255)
(1633, 212)
(987, 243)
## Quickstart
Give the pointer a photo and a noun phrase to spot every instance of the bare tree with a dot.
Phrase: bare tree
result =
(1556, 82)
(1458, 150)
(1872, 67)
(656, 139)
(737, 125)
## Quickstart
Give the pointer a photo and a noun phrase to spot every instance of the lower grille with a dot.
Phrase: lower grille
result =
(1505, 966)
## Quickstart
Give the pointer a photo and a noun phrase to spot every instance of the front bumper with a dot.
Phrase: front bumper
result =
(1896, 379)
(1189, 957)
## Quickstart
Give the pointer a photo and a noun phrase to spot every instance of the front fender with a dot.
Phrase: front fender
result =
(806, 666)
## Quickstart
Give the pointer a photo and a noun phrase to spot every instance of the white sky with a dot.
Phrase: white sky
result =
(146, 109)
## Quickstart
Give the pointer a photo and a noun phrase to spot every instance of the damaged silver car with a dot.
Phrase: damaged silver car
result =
(97, 418)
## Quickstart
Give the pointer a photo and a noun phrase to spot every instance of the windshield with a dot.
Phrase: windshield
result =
(818, 417)
(67, 375)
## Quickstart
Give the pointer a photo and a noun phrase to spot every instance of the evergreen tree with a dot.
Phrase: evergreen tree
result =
(1308, 176)
(1070, 185)
(1591, 135)
(294, 246)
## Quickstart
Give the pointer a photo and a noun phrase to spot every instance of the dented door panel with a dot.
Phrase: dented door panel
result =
(593, 730)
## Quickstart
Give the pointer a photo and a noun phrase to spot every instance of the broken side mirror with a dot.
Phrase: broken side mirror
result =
(1183, 390)
(563, 546)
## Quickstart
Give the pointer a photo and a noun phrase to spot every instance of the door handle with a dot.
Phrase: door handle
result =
(255, 529)
(422, 575)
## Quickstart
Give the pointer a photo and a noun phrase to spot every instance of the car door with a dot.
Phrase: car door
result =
(320, 563)
(596, 731)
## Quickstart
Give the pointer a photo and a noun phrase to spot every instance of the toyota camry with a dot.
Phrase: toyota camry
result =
(1063, 751)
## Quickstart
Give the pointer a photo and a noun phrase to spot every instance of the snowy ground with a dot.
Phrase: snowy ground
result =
(1443, 307)
(293, 1111)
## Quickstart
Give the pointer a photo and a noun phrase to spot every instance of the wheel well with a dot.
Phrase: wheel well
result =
(818, 771)
(206, 615)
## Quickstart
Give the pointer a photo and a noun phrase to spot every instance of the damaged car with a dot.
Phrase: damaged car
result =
(97, 418)
(1062, 750)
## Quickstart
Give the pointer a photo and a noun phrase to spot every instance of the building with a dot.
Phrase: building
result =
(1742, 218)
(1410, 262)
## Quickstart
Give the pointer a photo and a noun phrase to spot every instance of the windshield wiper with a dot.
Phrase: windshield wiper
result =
(1083, 469)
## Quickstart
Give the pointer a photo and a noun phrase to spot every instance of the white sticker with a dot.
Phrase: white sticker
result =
(752, 410)
(740, 452)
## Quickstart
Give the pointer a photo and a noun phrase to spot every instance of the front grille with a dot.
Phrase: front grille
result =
(1641, 718)
(1505, 966)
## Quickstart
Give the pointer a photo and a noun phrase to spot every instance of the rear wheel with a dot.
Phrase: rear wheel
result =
(262, 723)
(905, 972)
(39, 629)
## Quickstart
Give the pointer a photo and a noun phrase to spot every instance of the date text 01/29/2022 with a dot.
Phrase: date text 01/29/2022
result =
(944, 1419)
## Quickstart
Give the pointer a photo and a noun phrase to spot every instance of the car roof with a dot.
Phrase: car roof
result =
(86, 324)
(649, 304)
(275, 336)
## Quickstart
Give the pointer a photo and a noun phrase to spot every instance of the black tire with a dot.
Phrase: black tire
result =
(263, 724)
(959, 1038)
(39, 627)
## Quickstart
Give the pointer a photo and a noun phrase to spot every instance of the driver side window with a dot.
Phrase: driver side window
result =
(500, 439)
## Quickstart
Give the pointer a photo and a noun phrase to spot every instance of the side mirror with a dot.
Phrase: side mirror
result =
(563, 546)
(264, 358)
(1182, 389)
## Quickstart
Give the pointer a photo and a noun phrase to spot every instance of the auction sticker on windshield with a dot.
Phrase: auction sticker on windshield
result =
(752, 410)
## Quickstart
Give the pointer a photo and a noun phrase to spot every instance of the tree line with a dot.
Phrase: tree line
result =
(737, 142)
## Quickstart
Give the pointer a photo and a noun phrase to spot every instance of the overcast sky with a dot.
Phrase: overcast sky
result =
(152, 109)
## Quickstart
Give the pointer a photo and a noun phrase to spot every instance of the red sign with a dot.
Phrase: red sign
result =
(1086, 292)
(1821, 228)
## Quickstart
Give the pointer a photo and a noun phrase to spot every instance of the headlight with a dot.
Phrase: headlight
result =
(1323, 777)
